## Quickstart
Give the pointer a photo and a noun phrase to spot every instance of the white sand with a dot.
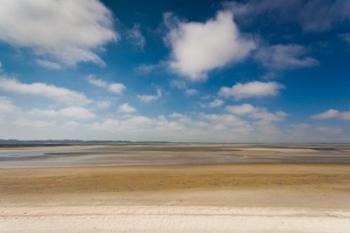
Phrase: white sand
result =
(163, 219)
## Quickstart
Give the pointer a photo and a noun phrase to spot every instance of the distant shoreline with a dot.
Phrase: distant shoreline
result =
(68, 142)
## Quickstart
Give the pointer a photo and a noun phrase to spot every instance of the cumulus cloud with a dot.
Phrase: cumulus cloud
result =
(115, 88)
(150, 98)
(243, 109)
(280, 57)
(197, 48)
(256, 113)
(126, 108)
(176, 127)
(333, 114)
(68, 32)
(240, 124)
(251, 89)
(223, 127)
(74, 112)
(52, 92)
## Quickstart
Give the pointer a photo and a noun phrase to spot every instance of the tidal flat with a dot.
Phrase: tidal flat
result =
(175, 188)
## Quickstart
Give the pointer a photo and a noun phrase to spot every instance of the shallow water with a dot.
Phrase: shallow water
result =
(169, 154)
(20, 154)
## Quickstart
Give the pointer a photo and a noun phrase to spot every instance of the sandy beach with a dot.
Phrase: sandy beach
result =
(181, 193)
(171, 219)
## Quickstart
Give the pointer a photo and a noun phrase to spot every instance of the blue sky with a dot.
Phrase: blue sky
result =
(200, 71)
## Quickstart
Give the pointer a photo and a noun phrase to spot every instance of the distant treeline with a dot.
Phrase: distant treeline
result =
(15, 142)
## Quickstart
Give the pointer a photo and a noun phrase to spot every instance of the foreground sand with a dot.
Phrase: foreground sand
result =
(162, 219)
(226, 197)
(158, 184)
(216, 198)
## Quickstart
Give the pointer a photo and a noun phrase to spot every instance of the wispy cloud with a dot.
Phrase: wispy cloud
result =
(136, 37)
(345, 37)
(328, 15)
(281, 57)
(216, 103)
(115, 88)
(184, 87)
(52, 92)
(49, 64)
(150, 98)
(73, 112)
(103, 104)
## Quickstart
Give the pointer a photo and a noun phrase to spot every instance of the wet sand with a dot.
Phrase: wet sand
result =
(170, 154)
(120, 190)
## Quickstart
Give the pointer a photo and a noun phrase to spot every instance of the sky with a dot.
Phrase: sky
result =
(182, 71)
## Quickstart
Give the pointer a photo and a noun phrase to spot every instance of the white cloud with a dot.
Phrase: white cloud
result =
(73, 112)
(136, 37)
(53, 92)
(257, 113)
(150, 98)
(316, 133)
(332, 114)
(330, 130)
(243, 109)
(281, 57)
(191, 91)
(251, 89)
(103, 104)
(198, 48)
(345, 116)
(65, 31)
(126, 108)
(216, 103)
(266, 117)
(328, 15)
(6, 105)
(200, 127)
(257, 125)
(148, 68)
(176, 127)
(183, 86)
(115, 88)
(49, 64)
